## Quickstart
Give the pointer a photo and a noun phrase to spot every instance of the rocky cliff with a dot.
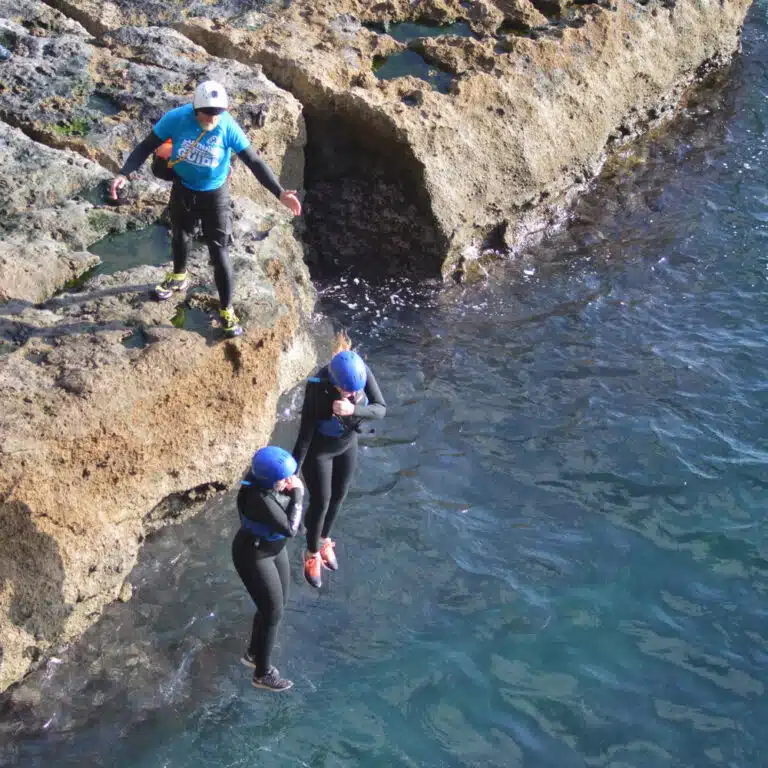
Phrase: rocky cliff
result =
(118, 412)
(515, 113)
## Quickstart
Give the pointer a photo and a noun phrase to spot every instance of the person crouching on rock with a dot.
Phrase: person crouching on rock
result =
(336, 401)
(269, 504)
(203, 136)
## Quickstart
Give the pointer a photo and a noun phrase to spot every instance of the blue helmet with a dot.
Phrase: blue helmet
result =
(347, 371)
(271, 464)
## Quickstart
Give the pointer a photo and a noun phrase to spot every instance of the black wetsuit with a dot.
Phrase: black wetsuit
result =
(326, 449)
(212, 209)
(258, 551)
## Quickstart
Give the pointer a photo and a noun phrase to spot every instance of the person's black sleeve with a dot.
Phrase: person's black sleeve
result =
(376, 408)
(271, 514)
(141, 152)
(295, 509)
(261, 170)
(306, 425)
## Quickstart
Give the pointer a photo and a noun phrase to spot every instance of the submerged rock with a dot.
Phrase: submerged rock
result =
(126, 592)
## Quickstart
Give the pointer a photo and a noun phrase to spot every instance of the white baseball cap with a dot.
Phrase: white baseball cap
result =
(210, 94)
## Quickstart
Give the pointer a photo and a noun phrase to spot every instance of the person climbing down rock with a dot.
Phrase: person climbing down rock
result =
(337, 400)
(269, 504)
(203, 136)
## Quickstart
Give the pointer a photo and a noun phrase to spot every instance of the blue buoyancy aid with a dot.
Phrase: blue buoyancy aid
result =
(258, 529)
(339, 426)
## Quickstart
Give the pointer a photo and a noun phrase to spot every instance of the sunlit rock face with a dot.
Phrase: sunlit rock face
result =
(118, 412)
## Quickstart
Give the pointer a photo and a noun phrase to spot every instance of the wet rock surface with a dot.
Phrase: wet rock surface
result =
(119, 413)
(48, 219)
(34, 263)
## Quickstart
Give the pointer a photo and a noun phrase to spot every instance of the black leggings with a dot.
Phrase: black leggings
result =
(213, 210)
(328, 471)
(267, 580)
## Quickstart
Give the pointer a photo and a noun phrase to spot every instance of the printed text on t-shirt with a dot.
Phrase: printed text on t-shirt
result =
(206, 154)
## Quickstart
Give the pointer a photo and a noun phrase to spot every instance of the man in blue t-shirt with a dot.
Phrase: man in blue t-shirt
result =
(203, 136)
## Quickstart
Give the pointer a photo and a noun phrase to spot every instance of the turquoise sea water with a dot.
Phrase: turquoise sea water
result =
(555, 554)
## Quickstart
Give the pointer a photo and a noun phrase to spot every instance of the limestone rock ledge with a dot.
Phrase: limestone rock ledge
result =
(118, 412)
(537, 96)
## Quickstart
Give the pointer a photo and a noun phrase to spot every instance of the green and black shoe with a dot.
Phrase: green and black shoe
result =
(174, 283)
(230, 322)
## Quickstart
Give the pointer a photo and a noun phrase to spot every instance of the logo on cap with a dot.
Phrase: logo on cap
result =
(215, 94)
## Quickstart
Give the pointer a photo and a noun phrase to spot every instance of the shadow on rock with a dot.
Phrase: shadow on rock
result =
(32, 572)
(81, 297)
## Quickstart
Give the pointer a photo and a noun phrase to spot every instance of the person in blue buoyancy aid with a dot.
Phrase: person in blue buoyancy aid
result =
(336, 401)
(269, 504)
